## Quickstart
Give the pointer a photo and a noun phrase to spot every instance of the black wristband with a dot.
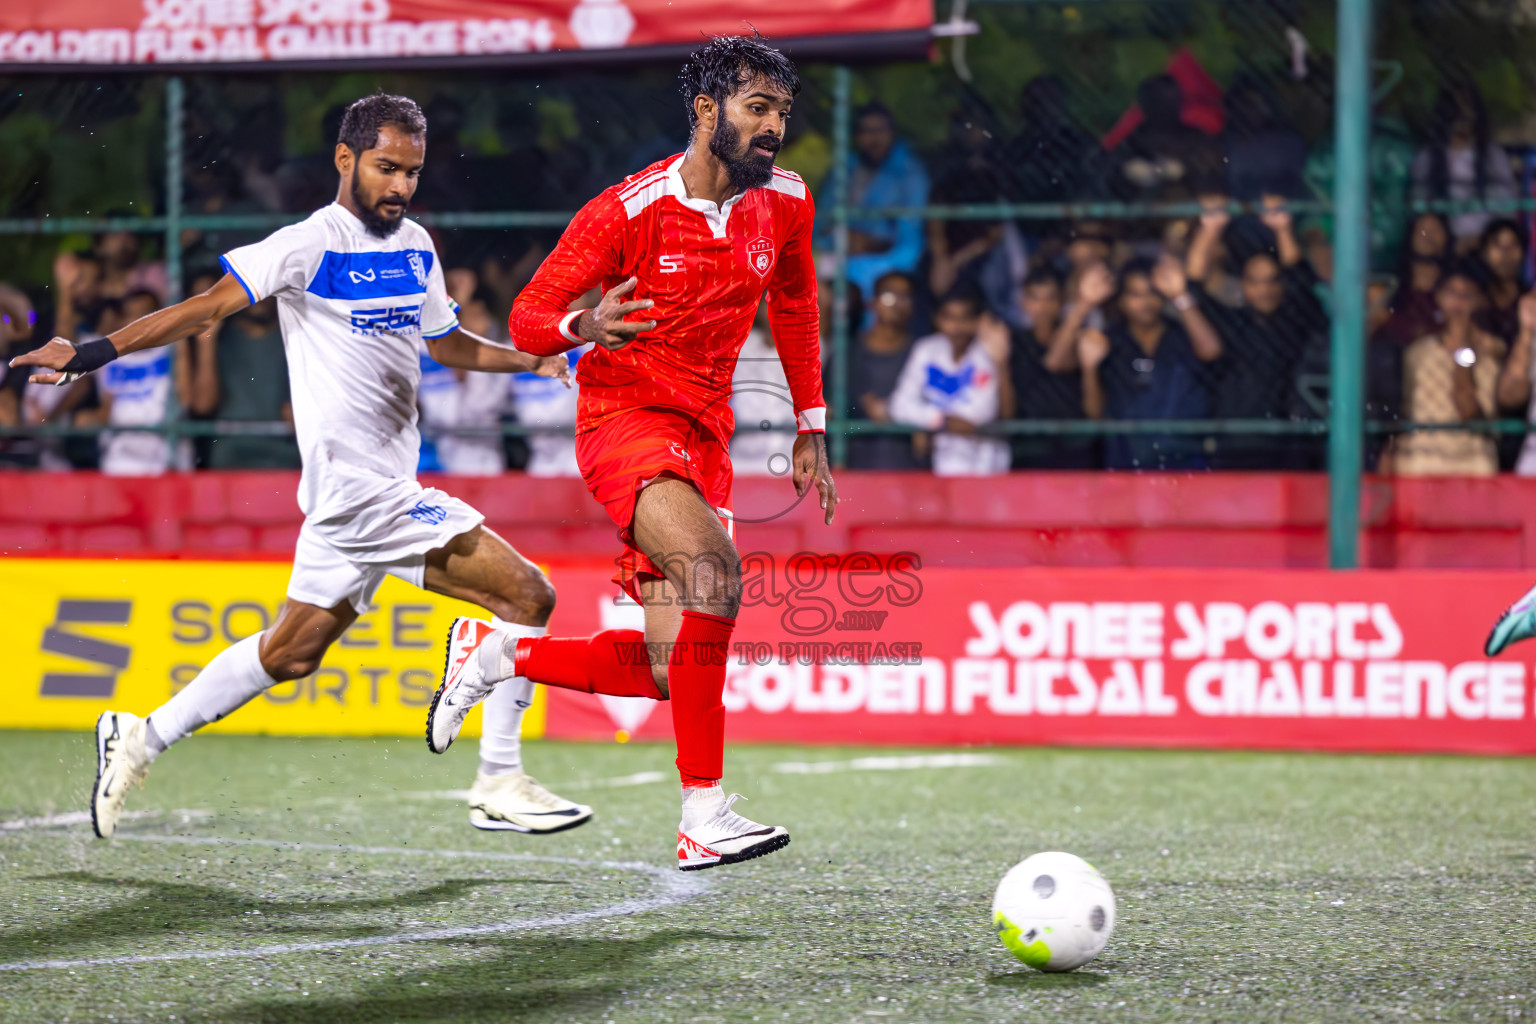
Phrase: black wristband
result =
(91, 355)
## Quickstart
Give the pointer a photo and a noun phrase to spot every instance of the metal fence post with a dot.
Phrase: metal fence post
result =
(175, 108)
(842, 94)
(175, 104)
(1352, 214)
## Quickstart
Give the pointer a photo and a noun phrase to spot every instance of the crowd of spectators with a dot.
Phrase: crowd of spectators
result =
(1190, 321)
(962, 329)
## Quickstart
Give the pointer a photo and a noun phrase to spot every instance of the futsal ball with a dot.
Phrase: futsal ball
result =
(1054, 911)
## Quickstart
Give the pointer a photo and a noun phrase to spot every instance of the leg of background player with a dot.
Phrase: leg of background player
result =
(126, 744)
(482, 568)
(677, 530)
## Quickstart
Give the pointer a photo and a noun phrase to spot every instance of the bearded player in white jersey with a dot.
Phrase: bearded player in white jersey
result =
(357, 287)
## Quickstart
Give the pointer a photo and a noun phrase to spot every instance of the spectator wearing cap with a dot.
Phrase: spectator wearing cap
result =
(950, 387)
(883, 171)
(874, 367)
(1151, 367)
(1263, 339)
(1451, 375)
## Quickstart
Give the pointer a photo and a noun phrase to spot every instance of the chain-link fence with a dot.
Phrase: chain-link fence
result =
(1086, 235)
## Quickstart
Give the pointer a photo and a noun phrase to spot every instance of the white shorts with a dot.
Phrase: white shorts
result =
(347, 557)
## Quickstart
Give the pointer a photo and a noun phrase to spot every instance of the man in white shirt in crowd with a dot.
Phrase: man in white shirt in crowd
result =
(950, 386)
(461, 409)
(135, 391)
(358, 287)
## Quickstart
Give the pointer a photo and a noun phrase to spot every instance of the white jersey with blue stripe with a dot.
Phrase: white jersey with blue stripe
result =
(353, 309)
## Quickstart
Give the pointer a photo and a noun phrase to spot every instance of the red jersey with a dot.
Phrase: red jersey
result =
(706, 268)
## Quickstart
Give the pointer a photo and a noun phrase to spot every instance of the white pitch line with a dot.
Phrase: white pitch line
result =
(676, 889)
(909, 762)
(67, 818)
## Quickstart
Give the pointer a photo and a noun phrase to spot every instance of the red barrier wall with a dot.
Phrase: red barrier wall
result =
(894, 654)
(1053, 519)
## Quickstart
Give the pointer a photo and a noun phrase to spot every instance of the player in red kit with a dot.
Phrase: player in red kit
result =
(691, 244)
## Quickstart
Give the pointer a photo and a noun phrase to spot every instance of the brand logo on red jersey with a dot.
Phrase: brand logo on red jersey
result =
(679, 451)
(760, 255)
(671, 263)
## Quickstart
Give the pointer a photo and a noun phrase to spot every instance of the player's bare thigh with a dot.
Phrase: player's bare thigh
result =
(482, 568)
(292, 647)
(678, 530)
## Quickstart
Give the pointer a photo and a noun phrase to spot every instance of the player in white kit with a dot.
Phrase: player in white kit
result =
(358, 287)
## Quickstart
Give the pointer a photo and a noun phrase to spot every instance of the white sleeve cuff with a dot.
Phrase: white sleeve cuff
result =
(565, 327)
(812, 421)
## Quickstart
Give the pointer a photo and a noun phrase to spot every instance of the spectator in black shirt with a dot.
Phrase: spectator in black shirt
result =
(1053, 159)
(1501, 261)
(1263, 340)
(971, 173)
(1163, 158)
(873, 370)
(1150, 367)
(1044, 381)
(1501, 257)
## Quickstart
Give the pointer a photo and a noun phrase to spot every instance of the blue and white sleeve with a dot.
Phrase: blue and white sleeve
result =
(439, 313)
(276, 262)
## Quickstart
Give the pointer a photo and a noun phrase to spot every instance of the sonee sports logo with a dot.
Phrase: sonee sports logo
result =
(671, 263)
(108, 658)
(391, 320)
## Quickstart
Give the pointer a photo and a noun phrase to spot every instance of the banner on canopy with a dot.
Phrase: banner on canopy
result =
(55, 33)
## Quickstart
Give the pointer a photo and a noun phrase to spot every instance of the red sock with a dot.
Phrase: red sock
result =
(612, 662)
(696, 679)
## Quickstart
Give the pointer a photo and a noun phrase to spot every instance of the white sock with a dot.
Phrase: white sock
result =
(501, 717)
(228, 682)
(700, 803)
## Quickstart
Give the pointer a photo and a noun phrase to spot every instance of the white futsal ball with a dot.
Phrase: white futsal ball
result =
(1054, 911)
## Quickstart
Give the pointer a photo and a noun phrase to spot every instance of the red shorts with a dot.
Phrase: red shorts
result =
(629, 450)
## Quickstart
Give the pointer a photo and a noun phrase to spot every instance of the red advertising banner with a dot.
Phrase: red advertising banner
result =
(257, 32)
(866, 649)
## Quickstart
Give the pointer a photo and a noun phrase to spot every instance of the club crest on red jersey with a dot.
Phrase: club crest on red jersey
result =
(760, 255)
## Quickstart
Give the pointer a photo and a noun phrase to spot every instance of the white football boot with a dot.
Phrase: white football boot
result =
(726, 838)
(121, 763)
(517, 803)
(464, 684)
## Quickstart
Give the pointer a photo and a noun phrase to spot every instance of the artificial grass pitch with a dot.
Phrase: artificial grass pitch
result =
(332, 881)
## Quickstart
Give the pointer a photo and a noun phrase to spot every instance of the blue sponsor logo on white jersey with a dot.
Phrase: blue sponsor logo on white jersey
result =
(371, 275)
(390, 319)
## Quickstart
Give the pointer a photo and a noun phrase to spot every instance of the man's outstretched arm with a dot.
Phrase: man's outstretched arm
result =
(63, 361)
(466, 350)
